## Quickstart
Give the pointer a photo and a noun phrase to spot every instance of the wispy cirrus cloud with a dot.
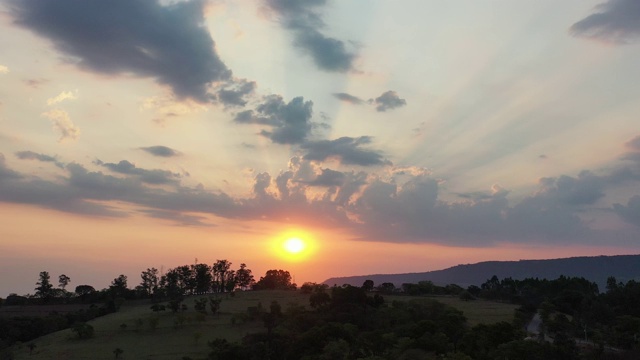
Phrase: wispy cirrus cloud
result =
(62, 124)
(65, 95)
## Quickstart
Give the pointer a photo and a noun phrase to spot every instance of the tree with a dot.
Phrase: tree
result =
(275, 279)
(84, 290)
(44, 289)
(203, 278)
(117, 352)
(118, 286)
(367, 285)
(63, 280)
(150, 280)
(244, 278)
(221, 274)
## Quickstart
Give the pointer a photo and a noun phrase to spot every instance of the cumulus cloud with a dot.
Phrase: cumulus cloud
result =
(154, 176)
(159, 150)
(168, 43)
(615, 21)
(62, 124)
(236, 94)
(30, 155)
(389, 100)
(304, 20)
(290, 122)
(347, 150)
(4, 69)
(65, 95)
(349, 98)
(328, 178)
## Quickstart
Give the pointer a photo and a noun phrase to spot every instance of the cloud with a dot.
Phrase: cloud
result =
(615, 21)
(62, 124)
(346, 149)
(65, 95)
(179, 218)
(30, 155)
(155, 176)
(235, 95)
(4, 69)
(35, 83)
(290, 122)
(349, 98)
(389, 100)
(5, 172)
(631, 212)
(328, 178)
(633, 144)
(161, 151)
(167, 43)
(304, 19)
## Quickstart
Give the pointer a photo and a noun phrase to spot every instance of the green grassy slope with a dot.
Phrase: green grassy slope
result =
(173, 341)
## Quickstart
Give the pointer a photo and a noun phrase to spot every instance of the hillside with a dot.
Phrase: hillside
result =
(597, 269)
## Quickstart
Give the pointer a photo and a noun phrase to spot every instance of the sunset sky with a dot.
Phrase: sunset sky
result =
(392, 136)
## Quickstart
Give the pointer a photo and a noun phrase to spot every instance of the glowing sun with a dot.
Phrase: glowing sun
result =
(294, 245)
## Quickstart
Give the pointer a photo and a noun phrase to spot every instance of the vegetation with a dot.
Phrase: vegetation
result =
(566, 318)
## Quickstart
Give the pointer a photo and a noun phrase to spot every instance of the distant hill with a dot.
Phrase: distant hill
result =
(597, 269)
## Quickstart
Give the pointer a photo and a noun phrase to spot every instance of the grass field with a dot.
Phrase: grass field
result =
(167, 341)
(476, 311)
(174, 341)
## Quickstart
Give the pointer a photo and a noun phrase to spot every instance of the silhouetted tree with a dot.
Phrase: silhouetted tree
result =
(44, 289)
(150, 281)
(275, 279)
(203, 278)
(221, 274)
(117, 352)
(63, 280)
(118, 287)
(367, 285)
(244, 278)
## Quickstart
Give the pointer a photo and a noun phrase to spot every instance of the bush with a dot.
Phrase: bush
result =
(83, 330)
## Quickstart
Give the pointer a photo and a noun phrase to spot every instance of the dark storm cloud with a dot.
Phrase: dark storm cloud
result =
(389, 100)
(30, 155)
(615, 21)
(349, 98)
(303, 18)
(154, 176)
(168, 43)
(236, 94)
(160, 150)
(586, 189)
(290, 122)
(346, 149)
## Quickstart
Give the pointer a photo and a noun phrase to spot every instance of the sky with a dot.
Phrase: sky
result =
(391, 136)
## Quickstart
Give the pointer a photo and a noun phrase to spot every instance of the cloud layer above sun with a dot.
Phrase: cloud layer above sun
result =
(381, 127)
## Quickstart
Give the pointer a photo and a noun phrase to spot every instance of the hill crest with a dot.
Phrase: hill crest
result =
(593, 268)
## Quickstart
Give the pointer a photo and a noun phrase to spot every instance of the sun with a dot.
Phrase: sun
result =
(294, 245)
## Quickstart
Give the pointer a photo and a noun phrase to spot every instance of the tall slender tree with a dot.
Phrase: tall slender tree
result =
(44, 287)
(220, 274)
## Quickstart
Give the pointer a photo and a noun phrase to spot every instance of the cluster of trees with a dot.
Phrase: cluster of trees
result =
(180, 281)
(354, 323)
